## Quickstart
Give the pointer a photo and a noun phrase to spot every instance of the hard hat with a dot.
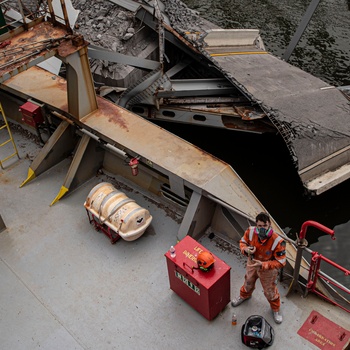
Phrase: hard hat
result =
(205, 261)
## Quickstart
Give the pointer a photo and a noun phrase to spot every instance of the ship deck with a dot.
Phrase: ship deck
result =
(65, 286)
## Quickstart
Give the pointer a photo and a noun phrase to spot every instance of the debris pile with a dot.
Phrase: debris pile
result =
(112, 27)
(105, 24)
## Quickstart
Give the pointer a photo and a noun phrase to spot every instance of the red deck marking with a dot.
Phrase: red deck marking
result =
(324, 333)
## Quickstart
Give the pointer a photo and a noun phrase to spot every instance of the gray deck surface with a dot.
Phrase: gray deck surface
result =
(65, 286)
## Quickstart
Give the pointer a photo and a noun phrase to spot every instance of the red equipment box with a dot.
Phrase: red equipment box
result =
(207, 292)
(31, 114)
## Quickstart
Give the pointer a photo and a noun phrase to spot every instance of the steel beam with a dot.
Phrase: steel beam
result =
(300, 30)
(189, 216)
(110, 56)
(87, 159)
(80, 86)
(58, 147)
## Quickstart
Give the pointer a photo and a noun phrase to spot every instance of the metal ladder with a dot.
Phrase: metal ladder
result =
(6, 125)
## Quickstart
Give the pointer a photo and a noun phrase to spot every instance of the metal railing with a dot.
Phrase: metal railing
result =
(20, 13)
(23, 15)
(315, 273)
(332, 290)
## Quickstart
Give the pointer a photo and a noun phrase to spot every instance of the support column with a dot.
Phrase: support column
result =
(80, 87)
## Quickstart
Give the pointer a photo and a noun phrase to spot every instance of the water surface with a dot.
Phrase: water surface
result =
(324, 48)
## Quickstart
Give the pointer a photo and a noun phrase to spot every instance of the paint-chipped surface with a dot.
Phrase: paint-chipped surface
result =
(42, 40)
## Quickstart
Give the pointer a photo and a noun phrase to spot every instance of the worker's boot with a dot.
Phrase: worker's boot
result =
(277, 316)
(238, 301)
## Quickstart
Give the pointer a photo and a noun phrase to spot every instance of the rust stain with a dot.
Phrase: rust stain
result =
(112, 112)
(61, 84)
(64, 107)
(4, 179)
(66, 48)
(34, 43)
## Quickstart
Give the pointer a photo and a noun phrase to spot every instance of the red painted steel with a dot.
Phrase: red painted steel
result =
(315, 271)
(134, 162)
(208, 292)
(314, 275)
(112, 235)
(324, 333)
(31, 114)
(317, 225)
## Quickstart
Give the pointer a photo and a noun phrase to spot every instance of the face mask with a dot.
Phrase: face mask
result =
(262, 232)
